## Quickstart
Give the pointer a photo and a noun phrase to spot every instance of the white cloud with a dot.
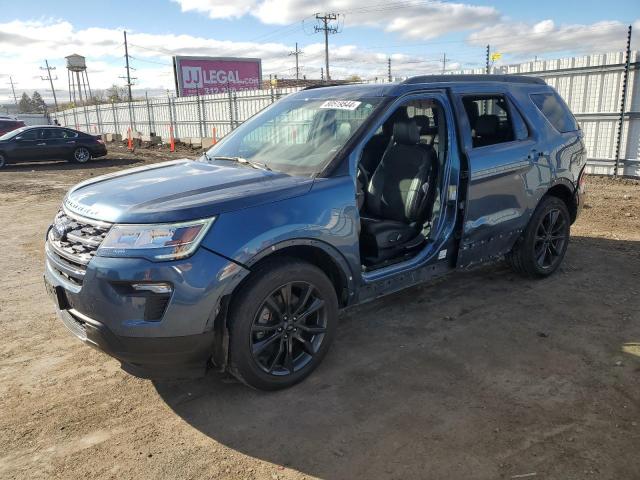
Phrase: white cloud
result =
(217, 9)
(410, 19)
(25, 44)
(520, 38)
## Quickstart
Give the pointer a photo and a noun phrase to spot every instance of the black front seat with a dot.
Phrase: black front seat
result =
(399, 194)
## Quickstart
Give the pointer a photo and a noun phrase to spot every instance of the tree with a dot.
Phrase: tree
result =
(38, 103)
(116, 93)
(353, 78)
(25, 105)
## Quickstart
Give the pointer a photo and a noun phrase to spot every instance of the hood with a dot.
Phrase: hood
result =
(180, 190)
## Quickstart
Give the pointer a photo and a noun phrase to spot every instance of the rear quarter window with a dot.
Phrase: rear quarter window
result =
(556, 111)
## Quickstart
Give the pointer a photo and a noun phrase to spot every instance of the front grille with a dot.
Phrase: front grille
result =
(71, 244)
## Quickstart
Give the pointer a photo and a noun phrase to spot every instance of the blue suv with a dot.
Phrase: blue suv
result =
(329, 198)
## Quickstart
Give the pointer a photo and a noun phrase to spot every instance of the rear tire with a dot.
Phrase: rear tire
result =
(542, 246)
(81, 155)
(282, 323)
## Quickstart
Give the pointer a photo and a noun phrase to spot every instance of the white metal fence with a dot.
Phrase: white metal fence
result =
(591, 85)
(189, 116)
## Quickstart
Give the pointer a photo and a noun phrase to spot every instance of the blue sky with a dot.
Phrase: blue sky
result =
(415, 33)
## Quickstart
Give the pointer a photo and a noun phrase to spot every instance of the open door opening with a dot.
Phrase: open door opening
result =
(399, 183)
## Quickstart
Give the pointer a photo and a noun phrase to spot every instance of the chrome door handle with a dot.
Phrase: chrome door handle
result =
(40, 143)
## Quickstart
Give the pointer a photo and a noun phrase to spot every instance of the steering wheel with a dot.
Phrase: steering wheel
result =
(362, 182)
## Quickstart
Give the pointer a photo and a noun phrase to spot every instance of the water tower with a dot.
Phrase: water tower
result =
(78, 79)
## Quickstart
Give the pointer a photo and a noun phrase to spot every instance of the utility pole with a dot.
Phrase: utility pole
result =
(325, 19)
(623, 101)
(51, 79)
(15, 99)
(487, 68)
(389, 70)
(126, 56)
(297, 53)
(444, 62)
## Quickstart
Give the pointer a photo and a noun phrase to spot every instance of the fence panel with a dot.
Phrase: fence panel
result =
(591, 85)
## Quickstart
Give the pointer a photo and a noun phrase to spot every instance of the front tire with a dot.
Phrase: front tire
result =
(3, 161)
(81, 155)
(541, 248)
(282, 323)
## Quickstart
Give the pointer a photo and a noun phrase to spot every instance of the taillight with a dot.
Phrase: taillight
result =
(99, 140)
(582, 181)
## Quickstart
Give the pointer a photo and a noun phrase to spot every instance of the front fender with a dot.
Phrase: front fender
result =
(326, 217)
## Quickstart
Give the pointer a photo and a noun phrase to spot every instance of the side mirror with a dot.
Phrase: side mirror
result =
(18, 138)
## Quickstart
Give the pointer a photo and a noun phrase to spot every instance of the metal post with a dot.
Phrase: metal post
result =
(146, 97)
(98, 116)
(115, 118)
(53, 90)
(235, 109)
(389, 69)
(487, 60)
(171, 116)
(623, 101)
(126, 56)
(13, 89)
(231, 121)
(199, 113)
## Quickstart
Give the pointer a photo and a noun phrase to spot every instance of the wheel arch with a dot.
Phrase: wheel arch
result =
(318, 253)
(565, 192)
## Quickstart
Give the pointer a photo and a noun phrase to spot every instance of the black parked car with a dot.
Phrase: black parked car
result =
(49, 142)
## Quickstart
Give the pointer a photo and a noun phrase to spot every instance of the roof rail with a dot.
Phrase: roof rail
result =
(473, 78)
(331, 84)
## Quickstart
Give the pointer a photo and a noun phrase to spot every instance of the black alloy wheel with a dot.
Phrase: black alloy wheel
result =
(81, 155)
(551, 236)
(282, 321)
(288, 328)
(542, 246)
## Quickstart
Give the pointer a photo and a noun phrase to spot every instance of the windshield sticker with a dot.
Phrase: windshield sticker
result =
(341, 104)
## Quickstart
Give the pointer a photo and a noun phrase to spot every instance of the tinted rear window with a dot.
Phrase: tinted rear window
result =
(556, 111)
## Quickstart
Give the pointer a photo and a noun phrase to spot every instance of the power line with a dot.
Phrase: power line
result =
(325, 19)
(48, 77)
(149, 61)
(297, 53)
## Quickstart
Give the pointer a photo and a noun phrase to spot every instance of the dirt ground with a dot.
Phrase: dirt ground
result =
(482, 375)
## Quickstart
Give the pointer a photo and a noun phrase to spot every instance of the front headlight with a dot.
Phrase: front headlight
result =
(166, 241)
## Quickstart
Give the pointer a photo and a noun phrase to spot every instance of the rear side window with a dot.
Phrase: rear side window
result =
(69, 134)
(556, 111)
(490, 119)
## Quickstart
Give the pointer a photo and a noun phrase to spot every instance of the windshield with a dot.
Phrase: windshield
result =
(297, 136)
(12, 133)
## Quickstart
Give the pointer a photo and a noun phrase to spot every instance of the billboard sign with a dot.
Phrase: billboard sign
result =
(208, 75)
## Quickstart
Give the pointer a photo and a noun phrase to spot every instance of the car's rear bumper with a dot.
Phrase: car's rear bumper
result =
(99, 151)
